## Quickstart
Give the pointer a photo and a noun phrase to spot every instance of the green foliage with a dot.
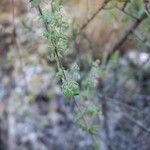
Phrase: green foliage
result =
(136, 7)
(56, 31)
(70, 88)
(75, 72)
(48, 17)
(92, 112)
(89, 84)
(96, 146)
(60, 74)
(35, 3)
(91, 81)
(93, 129)
(114, 58)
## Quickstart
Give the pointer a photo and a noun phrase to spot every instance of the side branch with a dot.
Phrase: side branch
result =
(94, 15)
(126, 35)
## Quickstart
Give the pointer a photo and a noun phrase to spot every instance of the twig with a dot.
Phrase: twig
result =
(143, 39)
(59, 63)
(126, 13)
(125, 5)
(94, 15)
(116, 102)
(137, 123)
(84, 119)
(126, 35)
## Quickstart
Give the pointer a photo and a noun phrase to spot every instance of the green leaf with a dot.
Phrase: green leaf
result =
(70, 88)
(93, 111)
(48, 17)
(60, 74)
(91, 81)
(79, 116)
(136, 7)
(75, 75)
(114, 58)
(93, 130)
(56, 6)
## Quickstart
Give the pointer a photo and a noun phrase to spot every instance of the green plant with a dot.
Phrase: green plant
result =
(56, 33)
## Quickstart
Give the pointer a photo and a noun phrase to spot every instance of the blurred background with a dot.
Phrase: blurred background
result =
(34, 114)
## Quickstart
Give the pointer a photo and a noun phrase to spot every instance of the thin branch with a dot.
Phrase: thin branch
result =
(126, 35)
(116, 102)
(143, 39)
(84, 119)
(137, 123)
(134, 121)
(41, 13)
(126, 13)
(94, 15)
(125, 5)
(59, 63)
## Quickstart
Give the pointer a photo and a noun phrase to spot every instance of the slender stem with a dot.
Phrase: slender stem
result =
(126, 13)
(125, 5)
(59, 63)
